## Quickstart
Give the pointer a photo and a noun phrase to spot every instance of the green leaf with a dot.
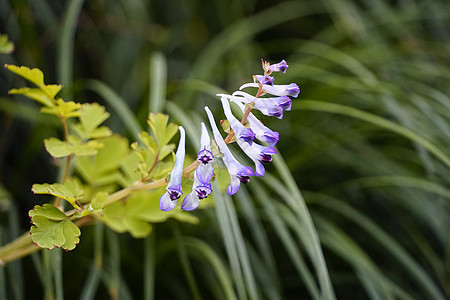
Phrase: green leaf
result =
(162, 131)
(91, 116)
(57, 148)
(148, 141)
(49, 211)
(52, 89)
(6, 46)
(36, 94)
(87, 149)
(34, 75)
(70, 191)
(103, 168)
(52, 228)
(139, 209)
(63, 109)
(99, 200)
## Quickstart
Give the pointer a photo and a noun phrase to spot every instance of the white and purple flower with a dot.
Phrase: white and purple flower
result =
(262, 133)
(274, 105)
(241, 132)
(291, 90)
(169, 199)
(279, 67)
(238, 172)
(202, 175)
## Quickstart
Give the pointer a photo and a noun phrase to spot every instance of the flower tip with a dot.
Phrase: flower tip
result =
(166, 203)
(190, 202)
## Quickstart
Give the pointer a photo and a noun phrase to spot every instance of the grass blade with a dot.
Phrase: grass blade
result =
(374, 119)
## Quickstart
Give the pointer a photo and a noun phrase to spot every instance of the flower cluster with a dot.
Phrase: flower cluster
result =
(278, 101)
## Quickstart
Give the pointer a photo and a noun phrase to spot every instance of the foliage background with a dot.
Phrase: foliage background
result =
(367, 144)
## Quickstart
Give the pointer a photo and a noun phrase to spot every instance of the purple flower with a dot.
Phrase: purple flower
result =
(264, 79)
(262, 133)
(238, 172)
(279, 67)
(169, 199)
(291, 90)
(240, 130)
(273, 106)
(203, 174)
(258, 154)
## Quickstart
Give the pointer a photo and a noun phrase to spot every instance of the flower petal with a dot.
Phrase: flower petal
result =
(262, 133)
(169, 200)
(166, 203)
(177, 171)
(190, 202)
(279, 67)
(240, 130)
(264, 79)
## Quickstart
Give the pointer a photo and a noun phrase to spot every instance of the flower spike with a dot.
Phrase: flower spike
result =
(169, 199)
(238, 172)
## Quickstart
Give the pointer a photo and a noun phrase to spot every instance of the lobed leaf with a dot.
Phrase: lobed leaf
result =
(33, 75)
(57, 148)
(63, 109)
(34, 93)
(91, 116)
(162, 131)
(52, 228)
(70, 191)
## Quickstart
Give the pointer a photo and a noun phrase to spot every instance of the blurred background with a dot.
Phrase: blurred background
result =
(356, 204)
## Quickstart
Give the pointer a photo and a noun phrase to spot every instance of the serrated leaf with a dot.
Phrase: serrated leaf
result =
(52, 228)
(166, 150)
(52, 89)
(91, 116)
(63, 109)
(35, 94)
(162, 131)
(58, 148)
(148, 141)
(6, 46)
(49, 211)
(70, 191)
(34, 75)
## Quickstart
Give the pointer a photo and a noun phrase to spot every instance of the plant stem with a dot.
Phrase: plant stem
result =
(22, 246)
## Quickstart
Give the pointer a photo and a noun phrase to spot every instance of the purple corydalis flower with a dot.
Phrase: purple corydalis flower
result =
(203, 174)
(279, 67)
(238, 172)
(273, 106)
(262, 133)
(264, 79)
(291, 90)
(258, 154)
(169, 199)
(240, 130)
